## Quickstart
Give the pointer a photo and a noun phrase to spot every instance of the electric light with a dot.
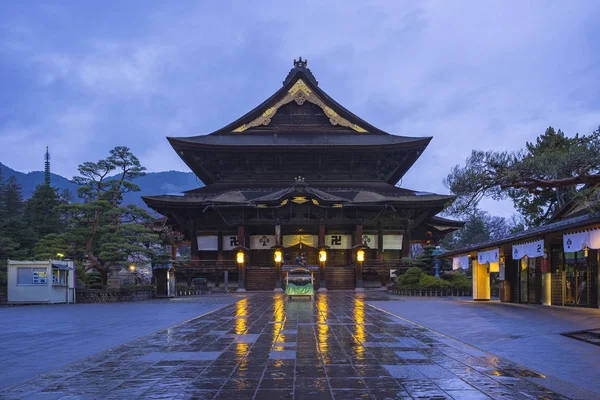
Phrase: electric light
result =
(277, 256)
(360, 255)
(60, 255)
(585, 251)
(322, 256)
(240, 257)
(132, 268)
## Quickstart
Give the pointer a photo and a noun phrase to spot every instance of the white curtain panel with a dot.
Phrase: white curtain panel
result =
(490, 256)
(262, 242)
(460, 262)
(392, 242)
(595, 239)
(208, 243)
(529, 249)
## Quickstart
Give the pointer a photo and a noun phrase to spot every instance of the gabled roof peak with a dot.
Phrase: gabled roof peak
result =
(300, 66)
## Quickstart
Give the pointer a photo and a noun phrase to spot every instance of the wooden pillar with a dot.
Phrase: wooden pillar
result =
(406, 242)
(219, 247)
(242, 267)
(379, 243)
(194, 241)
(358, 264)
(278, 286)
(322, 279)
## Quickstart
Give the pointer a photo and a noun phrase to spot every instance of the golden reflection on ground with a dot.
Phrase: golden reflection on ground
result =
(240, 351)
(241, 312)
(278, 319)
(322, 328)
(359, 334)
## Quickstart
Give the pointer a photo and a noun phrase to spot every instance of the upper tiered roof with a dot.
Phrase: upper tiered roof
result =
(299, 129)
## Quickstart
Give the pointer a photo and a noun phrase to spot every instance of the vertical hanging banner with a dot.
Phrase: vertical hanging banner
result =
(339, 241)
(262, 242)
(529, 249)
(370, 241)
(460, 262)
(208, 243)
(392, 242)
(230, 242)
(490, 256)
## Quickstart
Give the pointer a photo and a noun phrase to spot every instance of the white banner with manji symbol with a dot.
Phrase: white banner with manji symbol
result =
(230, 242)
(208, 243)
(370, 240)
(262, 242)
(490, 256)
(339, 241)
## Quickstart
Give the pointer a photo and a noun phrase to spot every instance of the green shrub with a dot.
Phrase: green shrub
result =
(411, 278)
(431, 282)
(93, 280)
(460, 282)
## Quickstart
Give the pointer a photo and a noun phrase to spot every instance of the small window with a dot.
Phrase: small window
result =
(29, 276)
(59, 277)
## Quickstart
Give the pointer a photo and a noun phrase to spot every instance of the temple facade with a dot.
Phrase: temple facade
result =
(299, 177)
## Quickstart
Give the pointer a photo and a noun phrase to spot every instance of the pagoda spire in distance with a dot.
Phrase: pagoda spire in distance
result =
(47, 167)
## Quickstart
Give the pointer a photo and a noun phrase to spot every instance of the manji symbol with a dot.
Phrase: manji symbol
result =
(336, 240)
(233, 241)
(264, 240)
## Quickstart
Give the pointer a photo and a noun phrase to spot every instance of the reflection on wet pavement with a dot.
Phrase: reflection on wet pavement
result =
(266, 347)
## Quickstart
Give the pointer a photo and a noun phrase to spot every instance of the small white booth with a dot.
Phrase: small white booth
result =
(41, 282)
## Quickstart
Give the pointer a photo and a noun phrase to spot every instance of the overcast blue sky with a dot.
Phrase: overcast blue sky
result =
(83, 77)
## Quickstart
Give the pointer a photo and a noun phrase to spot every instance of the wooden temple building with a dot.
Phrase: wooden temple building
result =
(299, 177)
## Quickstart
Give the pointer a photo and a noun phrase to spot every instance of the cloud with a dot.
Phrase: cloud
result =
(472, 74)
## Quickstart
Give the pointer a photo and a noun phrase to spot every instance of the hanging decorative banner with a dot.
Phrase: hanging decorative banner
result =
(339, 241)
(490, 256)
(594, 239)
(392, 242)
(579, 241)
(262, 242)
(294, 240)
(460, 262)
(576, 241)
(230, 242)
(501, 275)
(530, 249)
(370, 240)
(208, 243)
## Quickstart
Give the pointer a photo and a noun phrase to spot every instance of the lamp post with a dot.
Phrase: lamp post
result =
(322, 260)
(278, 257)
(360, 258)
(240, 258)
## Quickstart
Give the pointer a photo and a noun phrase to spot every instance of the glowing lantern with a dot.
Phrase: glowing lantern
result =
(240, 257)
(277, 256)
(360, 255)
(322, 256)
(132, 268)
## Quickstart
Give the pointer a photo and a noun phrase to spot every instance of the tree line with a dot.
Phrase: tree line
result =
(99, 232)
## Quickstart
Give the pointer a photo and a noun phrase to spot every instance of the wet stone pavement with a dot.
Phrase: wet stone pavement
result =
(267, 347)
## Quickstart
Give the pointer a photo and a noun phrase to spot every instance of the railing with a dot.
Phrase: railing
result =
(113, 295)
(383, 264)
(432, 292)
(206, 264)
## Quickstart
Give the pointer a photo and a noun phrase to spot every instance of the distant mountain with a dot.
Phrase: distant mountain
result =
(153, 183)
